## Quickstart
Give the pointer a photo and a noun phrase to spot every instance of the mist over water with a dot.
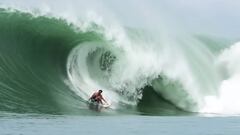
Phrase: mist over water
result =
(145, 60)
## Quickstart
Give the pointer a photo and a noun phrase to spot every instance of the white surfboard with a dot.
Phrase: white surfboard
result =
(106, 105)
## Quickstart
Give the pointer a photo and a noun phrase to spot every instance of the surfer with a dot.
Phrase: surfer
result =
(97, 97)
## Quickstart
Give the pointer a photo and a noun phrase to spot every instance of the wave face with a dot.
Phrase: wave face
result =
(34, 53)
(50, 65)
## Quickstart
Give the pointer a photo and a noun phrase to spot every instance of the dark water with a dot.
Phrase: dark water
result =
(117, 125)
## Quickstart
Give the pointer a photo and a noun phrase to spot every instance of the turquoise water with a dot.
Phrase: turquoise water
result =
(117, 125)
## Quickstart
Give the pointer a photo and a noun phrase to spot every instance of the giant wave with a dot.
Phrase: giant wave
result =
(49, 64)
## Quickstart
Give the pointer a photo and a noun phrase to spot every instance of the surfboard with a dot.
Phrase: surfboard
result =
(106, 105)
(96, 106)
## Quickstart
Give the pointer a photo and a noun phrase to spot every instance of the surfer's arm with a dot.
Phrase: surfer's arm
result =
(104, 100)
(92, 95)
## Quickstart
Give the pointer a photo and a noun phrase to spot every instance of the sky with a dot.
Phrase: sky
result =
(215, 17)
(220, 18)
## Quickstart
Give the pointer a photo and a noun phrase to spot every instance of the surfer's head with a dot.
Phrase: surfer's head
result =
(100, 91)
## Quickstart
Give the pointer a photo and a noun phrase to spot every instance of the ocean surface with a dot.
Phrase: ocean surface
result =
(32, 124)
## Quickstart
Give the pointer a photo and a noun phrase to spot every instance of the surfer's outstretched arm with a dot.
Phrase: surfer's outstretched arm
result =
(104, 100)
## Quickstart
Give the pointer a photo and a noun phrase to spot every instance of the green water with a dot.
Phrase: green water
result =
(49, 66)
(33, 59)
(34, 53)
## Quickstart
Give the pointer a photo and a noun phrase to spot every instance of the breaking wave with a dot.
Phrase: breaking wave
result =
(49, 64)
